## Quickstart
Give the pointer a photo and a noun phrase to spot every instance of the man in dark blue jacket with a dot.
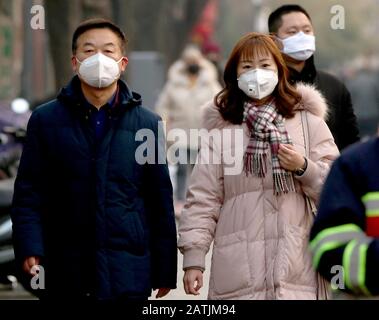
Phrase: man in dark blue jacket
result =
(345, 235)
(100, 223)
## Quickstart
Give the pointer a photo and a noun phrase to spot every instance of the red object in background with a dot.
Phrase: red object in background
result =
(372, 226)
(211, 47)
(203, 30)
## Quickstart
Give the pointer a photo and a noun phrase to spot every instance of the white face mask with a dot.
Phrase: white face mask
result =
(300, 46)
(99, 70)
(258, 83)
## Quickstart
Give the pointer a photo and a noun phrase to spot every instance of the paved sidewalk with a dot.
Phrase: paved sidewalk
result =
(16, 294)
(179, 293)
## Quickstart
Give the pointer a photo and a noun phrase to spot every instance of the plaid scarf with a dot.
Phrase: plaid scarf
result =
(267, 130)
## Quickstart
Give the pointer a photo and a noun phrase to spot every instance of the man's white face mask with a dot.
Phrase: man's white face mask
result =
(300, 46)
(99, 71)
(258, 83)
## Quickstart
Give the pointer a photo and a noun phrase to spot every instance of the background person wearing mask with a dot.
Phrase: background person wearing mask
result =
(257, 217)
(192, 82)
(293, 25)
(83, 208)
(212, 52)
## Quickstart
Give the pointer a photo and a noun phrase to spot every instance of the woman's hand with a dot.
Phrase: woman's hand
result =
(30, 265)
(192, 276)
(289, 158)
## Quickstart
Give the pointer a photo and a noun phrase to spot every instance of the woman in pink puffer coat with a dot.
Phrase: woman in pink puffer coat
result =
(255, 208)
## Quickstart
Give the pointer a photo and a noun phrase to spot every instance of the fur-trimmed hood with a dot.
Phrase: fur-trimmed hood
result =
(312, 101)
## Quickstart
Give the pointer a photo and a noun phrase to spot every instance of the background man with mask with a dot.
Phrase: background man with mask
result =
(101, 225)
(192, 82)
(293, 25)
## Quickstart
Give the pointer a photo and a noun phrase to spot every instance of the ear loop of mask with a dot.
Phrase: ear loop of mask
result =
(120, 60)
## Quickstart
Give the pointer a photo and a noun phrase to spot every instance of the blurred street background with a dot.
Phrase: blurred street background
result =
(35, 50)
(35, 63)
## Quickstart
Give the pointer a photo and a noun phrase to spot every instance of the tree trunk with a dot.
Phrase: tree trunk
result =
(62, 17)
(162, 26)
(96, 9)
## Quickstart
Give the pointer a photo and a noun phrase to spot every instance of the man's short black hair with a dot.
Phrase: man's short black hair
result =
(98, 23)
(275, 18)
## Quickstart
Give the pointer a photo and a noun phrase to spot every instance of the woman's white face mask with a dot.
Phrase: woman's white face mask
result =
(300, 46)
(99, 71)
(258, 83)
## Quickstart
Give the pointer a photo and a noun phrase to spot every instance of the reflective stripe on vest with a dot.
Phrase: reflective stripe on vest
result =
(354, 264)
(333, 238)
(371, 202)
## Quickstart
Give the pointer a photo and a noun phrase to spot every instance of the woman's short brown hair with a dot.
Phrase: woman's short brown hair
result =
(230, 101)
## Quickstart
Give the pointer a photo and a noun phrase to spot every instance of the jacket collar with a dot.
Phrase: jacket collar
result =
(72, 94)
(307, 75)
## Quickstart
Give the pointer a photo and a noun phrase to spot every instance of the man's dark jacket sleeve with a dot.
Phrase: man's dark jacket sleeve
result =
(26, 209)
(159, 201)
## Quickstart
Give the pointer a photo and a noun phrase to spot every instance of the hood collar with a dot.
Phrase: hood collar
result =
(307, 75)
(72, 93)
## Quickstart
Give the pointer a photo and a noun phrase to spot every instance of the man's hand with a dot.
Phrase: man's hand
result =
(162, 292)
(29, 263)
(190, 277)
(289, 158)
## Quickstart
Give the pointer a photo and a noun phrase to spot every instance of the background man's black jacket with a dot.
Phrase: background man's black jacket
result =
(342, 121)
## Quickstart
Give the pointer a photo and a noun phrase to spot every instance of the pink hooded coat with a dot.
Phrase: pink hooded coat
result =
(260, 248)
